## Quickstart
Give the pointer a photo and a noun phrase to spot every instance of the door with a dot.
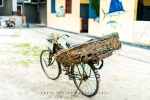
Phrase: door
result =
(19, 10)
(84, 14)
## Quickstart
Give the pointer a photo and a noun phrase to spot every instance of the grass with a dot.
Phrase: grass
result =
(28, 52)
(16, 34)
(59, 96)
(36, 50)
(27, 45)
(27, 49)
(24, 63)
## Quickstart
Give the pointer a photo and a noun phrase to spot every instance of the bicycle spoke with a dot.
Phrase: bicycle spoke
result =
(89, 86)
(91, 82)
(45, 62)
(86, 87)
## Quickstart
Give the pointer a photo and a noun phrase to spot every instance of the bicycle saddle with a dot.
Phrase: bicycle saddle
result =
(71, 44)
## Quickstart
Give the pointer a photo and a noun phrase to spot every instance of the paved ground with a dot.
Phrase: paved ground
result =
(125, 75)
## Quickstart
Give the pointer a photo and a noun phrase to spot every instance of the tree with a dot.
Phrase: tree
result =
(96, 6)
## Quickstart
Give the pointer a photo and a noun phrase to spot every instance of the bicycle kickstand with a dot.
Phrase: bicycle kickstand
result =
(77, 88)
(75, 92)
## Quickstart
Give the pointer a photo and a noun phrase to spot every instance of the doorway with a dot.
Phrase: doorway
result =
(19, 10)
(84, 16)
(143, 11)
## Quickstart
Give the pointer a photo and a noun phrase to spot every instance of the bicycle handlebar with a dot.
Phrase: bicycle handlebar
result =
(51, 37)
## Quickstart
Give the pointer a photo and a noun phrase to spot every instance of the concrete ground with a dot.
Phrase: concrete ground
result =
(125, 75)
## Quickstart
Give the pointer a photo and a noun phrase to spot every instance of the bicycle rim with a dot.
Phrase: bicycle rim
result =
(85, 79)
(49, 65)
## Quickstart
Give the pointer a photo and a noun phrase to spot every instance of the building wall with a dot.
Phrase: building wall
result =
(128, 28)
(6, 10)
(146, 2)
(71, 22)
(125, 21)
(43, 13)
(84, 1)
(141, 34)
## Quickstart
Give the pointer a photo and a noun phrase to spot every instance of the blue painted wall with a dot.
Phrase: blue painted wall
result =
(92, 13)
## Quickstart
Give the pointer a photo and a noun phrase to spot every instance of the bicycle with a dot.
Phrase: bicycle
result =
(7, 23)
(85, 75)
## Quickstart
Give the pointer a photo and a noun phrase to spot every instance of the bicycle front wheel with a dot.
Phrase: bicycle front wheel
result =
(49, 65)
(85, 79)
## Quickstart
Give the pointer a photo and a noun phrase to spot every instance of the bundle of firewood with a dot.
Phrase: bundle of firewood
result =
(99, 48)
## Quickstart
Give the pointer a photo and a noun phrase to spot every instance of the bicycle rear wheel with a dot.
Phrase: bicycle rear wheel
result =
(49, 65)
(85, 79)
(11, 25)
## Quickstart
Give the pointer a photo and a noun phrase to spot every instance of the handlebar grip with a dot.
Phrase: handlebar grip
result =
(67, 35)
(49, 39)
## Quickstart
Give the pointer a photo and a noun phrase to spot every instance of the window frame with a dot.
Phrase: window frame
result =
(68, 6)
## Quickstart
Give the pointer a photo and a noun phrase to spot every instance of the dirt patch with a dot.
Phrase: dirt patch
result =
(22, 78)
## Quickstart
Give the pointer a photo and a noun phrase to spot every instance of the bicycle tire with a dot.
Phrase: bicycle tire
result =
(88, 93)
(11, 25)
(50, 65)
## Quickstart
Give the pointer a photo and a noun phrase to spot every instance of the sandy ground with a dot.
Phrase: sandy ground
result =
(125, 75)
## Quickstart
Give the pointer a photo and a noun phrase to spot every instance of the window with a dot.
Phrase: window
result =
(1, 3)
(68, 6)
(53, 6)
(34, 0)
(42, 0)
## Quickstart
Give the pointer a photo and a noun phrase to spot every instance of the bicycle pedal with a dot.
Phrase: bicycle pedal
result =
(67, 73)
(70, 77)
